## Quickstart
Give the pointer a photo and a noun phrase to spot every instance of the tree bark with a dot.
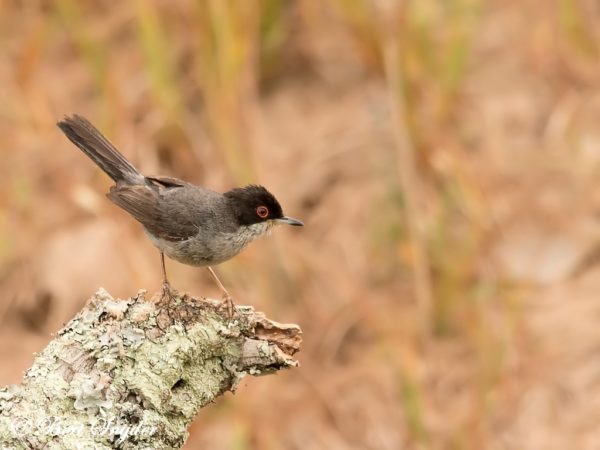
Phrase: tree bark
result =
(133, 374)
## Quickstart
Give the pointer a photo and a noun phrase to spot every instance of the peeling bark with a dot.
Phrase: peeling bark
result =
(133, 374)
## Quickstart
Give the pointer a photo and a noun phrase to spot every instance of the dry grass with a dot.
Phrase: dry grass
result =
(444, 156)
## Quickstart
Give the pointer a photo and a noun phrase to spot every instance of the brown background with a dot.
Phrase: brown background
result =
(444, 156)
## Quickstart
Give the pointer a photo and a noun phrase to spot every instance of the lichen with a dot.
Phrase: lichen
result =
(114, 378)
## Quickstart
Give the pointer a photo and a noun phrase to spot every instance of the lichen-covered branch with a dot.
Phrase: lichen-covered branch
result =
(133, 374)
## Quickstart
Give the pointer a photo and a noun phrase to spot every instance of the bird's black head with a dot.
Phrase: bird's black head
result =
(254, 204)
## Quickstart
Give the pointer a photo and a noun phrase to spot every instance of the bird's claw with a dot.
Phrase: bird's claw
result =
(167, 292)
(228, 305)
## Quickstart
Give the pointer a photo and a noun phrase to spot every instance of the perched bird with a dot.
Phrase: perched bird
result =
(188, 223)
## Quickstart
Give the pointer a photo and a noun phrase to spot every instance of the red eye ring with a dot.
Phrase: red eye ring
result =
(262, 212)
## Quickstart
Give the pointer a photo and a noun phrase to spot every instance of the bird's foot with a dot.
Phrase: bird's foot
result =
(228, 305)
(167, 292)
(166, 316)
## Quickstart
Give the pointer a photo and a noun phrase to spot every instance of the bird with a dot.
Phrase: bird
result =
(190, 224)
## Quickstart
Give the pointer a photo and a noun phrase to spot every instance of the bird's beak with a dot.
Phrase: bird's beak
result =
(290, 221)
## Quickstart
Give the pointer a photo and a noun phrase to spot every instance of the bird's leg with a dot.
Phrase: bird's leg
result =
(227, 298)
(166, 287)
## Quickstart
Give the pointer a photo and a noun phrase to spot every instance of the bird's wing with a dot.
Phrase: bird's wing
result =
(163, 219)
(168, 182)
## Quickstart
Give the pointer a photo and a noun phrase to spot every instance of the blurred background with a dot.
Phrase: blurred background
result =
(444, 156)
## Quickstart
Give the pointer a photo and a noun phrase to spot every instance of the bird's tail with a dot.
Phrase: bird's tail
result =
(85, 136)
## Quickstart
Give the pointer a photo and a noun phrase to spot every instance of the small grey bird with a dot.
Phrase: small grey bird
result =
(188, 223)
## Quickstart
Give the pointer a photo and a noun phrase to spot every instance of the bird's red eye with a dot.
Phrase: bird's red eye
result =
(262, 212)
